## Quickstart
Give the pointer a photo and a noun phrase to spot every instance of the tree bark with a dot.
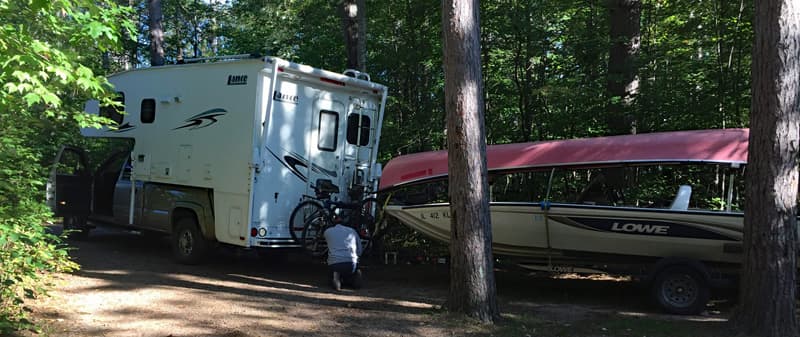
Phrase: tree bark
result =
(622, 83)
(130, 45)
(354, 26)
(472, 285)
(156, 33)
(769, 268)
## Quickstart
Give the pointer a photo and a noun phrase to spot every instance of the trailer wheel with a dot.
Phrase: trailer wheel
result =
(681, 290)
(76, 227)
(188, 244)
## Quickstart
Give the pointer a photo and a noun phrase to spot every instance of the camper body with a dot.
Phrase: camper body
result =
(224, 151)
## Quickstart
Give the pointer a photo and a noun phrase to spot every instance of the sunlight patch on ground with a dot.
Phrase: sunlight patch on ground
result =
(600, 277)
(261, 279)
(312, 293)
(673, 317)
(108, 272)
(162, 310)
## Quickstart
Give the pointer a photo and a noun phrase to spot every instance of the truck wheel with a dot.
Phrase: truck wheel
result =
(188, 243)
(76, 227)
(681, 290)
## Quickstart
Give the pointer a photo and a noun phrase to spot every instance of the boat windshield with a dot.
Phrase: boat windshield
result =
(710, 187)
(705, 187)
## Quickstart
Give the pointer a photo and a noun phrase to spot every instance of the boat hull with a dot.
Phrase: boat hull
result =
(531, 230)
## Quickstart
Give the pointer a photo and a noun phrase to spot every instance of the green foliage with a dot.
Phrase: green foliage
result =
(27, 253)
(46, 50)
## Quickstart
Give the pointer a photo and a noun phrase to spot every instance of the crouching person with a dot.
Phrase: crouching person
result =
(344, 248)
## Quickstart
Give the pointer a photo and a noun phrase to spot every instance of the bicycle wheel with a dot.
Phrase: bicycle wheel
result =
(304, 211)
(313, 240)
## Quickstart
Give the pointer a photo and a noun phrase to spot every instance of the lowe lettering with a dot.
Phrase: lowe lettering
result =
(640, 228)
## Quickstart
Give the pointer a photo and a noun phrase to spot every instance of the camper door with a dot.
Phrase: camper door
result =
(325, 145)
(359, 143)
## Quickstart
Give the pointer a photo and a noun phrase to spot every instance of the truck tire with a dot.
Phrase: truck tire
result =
(188, 244)
(681, 290)
(76, 227)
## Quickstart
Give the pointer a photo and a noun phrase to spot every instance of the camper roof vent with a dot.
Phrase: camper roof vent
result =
(357, 74)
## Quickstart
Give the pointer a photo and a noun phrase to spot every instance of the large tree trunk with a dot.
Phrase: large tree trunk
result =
(623, 82)
(130, 45)
(770, 237)
(354, 25)
(156, 33)
(472, 286)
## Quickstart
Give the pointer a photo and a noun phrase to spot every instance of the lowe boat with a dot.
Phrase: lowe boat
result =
(664, 207)
(560, 227)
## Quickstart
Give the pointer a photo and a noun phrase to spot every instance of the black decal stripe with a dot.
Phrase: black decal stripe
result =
(124, 128)
(293, 163)
(291, 168)
(203, 119)
(314, 167)
(572, 223)
(319, 169)
(680, 230)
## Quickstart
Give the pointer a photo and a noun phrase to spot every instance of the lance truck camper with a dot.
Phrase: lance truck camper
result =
(223, 151)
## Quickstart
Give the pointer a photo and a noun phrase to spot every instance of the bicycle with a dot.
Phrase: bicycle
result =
(313, 216)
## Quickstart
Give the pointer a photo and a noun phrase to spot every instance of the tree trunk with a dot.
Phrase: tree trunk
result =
(768, 285)
(472, 285)
(354, 26)
(156, 34)
(131, 45)
(622, 83)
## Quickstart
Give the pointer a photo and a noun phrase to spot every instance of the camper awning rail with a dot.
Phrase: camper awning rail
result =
(326, 76)
(727, 146)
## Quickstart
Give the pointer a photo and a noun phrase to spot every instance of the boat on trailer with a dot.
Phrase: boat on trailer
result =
(570, 212)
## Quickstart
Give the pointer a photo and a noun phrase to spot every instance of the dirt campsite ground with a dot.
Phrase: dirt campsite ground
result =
(128, 285)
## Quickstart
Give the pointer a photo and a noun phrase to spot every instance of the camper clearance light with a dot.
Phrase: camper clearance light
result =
(332, 81)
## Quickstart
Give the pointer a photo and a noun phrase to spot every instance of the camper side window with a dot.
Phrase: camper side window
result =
(328, 130)
(148, 113)
(358, 126)
(114, 113)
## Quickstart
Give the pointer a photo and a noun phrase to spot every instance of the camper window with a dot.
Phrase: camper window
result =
(148, 112)
(114, 113)
(328, 130)
(354, 130)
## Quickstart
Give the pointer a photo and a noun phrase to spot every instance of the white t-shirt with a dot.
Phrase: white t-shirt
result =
(344, 244)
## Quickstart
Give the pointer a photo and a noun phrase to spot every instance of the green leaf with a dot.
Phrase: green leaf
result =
(32, 98)
(95, 29)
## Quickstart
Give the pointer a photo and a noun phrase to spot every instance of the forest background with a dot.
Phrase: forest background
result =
(545, 63)
(552, 70)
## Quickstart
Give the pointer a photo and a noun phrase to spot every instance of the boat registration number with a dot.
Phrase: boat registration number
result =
(435, 215)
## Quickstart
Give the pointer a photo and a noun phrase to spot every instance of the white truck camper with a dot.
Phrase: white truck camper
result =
(223, 151)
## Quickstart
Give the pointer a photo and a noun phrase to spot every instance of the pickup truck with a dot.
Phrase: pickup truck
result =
(86, 198)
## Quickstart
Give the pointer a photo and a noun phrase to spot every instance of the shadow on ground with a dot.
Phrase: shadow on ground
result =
(131, 286)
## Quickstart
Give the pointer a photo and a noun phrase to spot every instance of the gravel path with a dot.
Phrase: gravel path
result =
(129, 286)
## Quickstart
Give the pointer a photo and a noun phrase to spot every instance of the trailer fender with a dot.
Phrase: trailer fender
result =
(667, 262)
